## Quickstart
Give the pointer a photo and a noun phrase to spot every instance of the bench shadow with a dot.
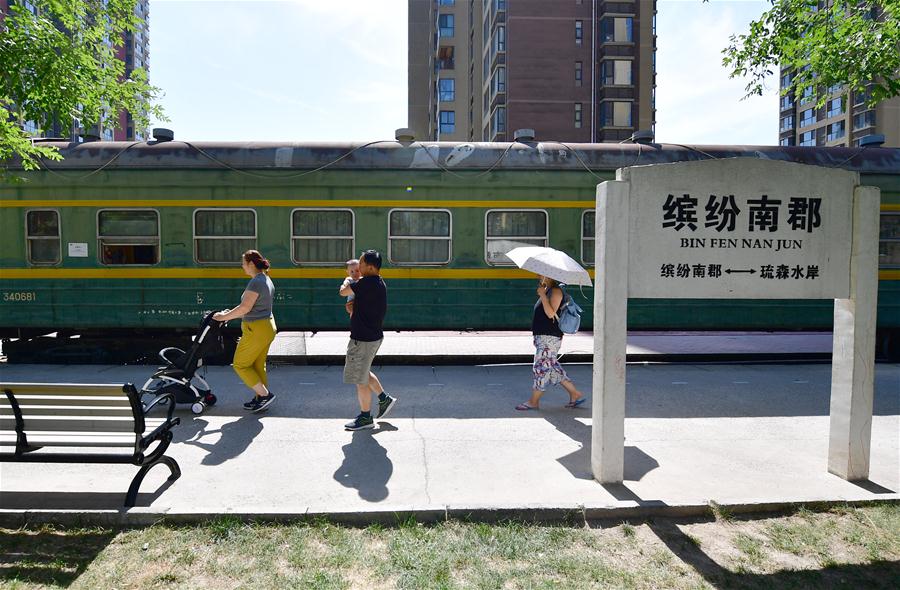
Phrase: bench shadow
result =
(78, 500)
(235, 437)
(366, 466)
(876, 574)
(47, 558)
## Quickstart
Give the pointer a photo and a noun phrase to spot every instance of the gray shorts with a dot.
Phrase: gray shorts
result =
(359, 360)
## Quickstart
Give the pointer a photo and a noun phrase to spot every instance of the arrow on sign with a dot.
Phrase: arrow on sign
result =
(729, 271)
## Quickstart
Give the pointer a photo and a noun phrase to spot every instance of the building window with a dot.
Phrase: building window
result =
(419, 236)
(221, 236)
(787, 123)
(786, 102)
(786, 80)
(579, 73)
(808, 138)
(835, 107)
(836, 131)
(577, 115)
(500, 39)
(616, 29)
(445, 59)
(615, 114)
(587, 237)
(446, 2)
(498, 121)
(446, 89)
(579, 32)
(447, 121)
(42, 236)
(861, 98)
(128, 236)
(500, 80)
(834, 89)
(889, 241)
(807, 117)
(807, 95)
(616, 72)
(322, 236)
(505, 229)
(446, 25)
(863, 120)
(786, 141)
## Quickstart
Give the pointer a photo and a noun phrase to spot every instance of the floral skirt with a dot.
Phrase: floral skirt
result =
(547, 370)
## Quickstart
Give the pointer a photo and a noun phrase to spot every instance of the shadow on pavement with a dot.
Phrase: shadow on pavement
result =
(366, 466)
(637, 462)
(235, 437)
(46, 558)
(876, 574)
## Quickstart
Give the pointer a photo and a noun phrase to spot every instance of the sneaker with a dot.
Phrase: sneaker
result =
(385, 406)
(251, 404)
(360, 423)
(261, 403)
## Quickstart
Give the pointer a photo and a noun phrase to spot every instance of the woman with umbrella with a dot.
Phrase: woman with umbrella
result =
(545, 320)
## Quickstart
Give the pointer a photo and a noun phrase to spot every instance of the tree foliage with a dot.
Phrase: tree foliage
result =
(852, 43)
(61, 66)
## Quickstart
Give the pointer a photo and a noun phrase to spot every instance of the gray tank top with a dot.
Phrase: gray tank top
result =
(262, 285)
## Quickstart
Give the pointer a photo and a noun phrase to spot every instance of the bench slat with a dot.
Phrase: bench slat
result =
(103, 389)
(78, 424)
(86, 400)
(47, 410)
(70, 439)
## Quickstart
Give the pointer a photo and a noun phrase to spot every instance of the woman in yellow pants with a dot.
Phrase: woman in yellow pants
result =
(257, 329)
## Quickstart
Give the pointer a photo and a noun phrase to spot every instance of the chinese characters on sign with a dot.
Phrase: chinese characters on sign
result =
(722, 213)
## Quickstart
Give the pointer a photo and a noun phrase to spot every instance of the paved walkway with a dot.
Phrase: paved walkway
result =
(736, 434)
(473, 347)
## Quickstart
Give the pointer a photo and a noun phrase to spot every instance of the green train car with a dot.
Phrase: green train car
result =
(129, 238)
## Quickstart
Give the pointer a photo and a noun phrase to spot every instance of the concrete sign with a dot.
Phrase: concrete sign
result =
(754, 229)
(744, 229)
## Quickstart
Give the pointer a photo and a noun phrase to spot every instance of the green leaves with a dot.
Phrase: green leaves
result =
(63, 65)
(851, 43)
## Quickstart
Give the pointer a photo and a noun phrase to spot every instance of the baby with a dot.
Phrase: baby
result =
(353, 275)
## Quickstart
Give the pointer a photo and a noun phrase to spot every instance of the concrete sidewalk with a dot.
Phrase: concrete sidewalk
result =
(747, 436)
(460, 348)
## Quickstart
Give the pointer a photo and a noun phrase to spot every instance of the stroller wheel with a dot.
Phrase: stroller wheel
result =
(209, 399)
(197, 407)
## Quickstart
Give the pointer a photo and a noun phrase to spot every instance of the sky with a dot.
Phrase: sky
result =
(335, 70)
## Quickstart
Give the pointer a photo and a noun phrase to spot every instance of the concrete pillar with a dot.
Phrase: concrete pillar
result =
(610, 310)
(853, 356)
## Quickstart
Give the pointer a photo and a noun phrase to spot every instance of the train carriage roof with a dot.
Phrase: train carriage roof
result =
(448, 156)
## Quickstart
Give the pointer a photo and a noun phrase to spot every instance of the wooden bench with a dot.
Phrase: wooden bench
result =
(77, 421)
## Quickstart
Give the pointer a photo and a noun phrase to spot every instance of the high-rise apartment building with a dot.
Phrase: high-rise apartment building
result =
(844, 120)
(572, 70)
(134, 51)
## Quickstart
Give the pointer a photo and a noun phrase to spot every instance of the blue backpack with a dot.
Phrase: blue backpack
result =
(569, 315)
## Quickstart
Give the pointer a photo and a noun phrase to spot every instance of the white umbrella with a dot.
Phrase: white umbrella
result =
(550, 263)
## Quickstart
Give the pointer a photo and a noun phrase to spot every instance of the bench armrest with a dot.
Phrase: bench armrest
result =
(171, 421)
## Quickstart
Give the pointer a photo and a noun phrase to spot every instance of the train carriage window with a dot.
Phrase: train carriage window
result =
(221, 236)
(505, 229)
(587, 237)
(889, 244)
(42, 236)
(128, 236)
(322, 236)
(419, 236)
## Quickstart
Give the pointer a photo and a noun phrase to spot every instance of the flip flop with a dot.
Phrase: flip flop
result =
(525, 407)
(576, 403)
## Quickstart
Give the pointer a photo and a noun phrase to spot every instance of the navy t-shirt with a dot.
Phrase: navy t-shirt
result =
(369, 307)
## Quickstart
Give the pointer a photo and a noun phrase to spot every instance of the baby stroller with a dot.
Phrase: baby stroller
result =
(179, 376)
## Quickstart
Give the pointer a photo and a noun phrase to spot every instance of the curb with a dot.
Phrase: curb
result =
(565, 515)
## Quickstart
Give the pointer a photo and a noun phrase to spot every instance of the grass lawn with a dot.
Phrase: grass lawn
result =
(840, 548)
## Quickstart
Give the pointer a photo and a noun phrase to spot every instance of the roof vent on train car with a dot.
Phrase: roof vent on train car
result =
(874, 140)
(162, 134)
(404, 134)
(523, 135)
(643, 136)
